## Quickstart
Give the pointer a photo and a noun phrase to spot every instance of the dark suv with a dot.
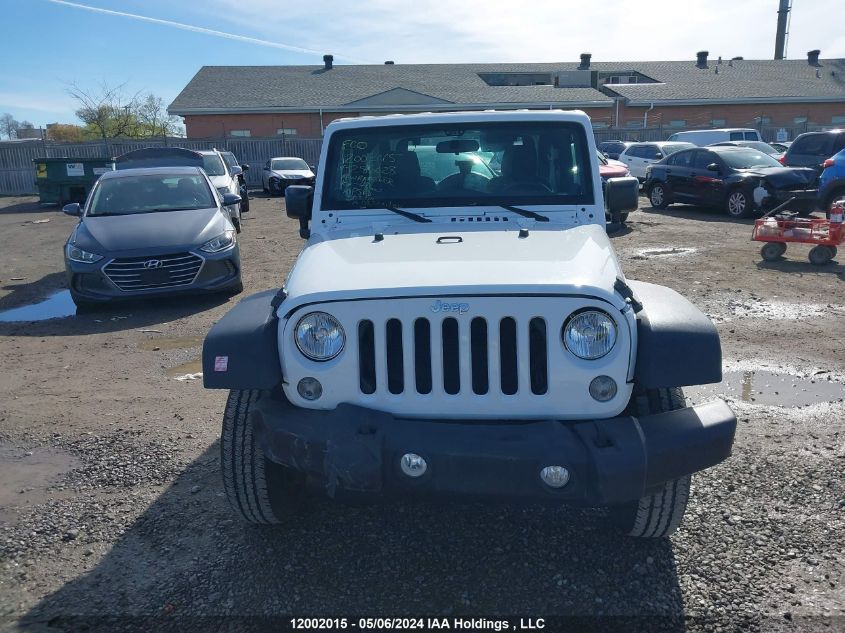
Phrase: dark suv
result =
(811, 149)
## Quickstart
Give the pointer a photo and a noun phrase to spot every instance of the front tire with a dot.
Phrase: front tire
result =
(259, 490)
(738, 204)
(660, 514)
(658, 196)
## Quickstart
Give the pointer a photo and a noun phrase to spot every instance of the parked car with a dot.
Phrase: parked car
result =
(484, 343)
(224, 179)
(832, 181)
(283, 171)
(231, 162)
(758, 145)
(708, 137)
(781, 146)
(638, 156)
(612, 149)
(740, 180)
(609, 168)
(811, 149)
(152, 231)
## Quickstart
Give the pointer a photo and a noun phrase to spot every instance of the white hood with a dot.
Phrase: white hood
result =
(221, 181)
(298, 173)
(577, 260)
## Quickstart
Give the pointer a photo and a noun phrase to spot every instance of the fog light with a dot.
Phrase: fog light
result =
(603, 388)
(413, 465)
(309, 388)
(555, 476)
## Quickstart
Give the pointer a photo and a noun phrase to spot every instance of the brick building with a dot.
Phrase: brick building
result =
(269, 101)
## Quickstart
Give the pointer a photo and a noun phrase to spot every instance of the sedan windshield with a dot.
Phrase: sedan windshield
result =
(289, 163)
(145, 194)
(213, 165)
(671, 148)
(511, 163)
(748, 159)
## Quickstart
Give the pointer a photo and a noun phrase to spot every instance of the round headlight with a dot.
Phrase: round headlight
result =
(319, 336)
(590, 334)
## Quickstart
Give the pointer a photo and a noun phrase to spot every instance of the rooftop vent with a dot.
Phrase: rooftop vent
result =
(327, 61)
(702, 59)
(389, 62)
(585, 61)
(813, 57)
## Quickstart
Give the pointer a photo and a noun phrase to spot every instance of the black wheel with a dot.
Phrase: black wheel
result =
(264, 187)
(259, 490)
(623, 217)
(244, 201)
(739, 204)
(235, 289)
(237, 223)
(659, 514)
(772, 251)
(820, 255)
(658, 195)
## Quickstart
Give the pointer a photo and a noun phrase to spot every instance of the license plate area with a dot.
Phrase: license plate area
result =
(155, 276)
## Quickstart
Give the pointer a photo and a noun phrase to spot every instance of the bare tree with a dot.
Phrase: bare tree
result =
(8, 126)
(153, 118)
(107, 109)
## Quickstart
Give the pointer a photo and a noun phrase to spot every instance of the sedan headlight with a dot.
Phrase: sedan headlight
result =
(220, 243)
(590, 334)
(319, 336)
(76, 254)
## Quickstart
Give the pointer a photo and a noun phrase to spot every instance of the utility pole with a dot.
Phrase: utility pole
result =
(783, 28)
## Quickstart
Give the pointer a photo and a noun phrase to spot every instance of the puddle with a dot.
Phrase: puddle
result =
(57, 306)
(165, 343)
(673, 251)
(186, 371)
(25, 476)
(772, 389)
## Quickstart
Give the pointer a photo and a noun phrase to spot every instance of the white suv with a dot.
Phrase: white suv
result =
(465, 339)
(225, 180)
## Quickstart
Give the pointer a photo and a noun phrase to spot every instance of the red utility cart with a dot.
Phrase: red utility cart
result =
(778, 230)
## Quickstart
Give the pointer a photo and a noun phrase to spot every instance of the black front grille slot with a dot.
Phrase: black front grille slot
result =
(451, 359)
(395, 357)
(422, 355)
(366, 357)
(478, 351)
(538, 356)
(507, 356)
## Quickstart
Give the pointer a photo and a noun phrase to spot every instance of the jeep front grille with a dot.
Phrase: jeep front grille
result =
(167, 271)
(439, 356)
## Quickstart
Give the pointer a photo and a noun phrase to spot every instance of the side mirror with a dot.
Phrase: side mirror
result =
(713, 167)
(244, 167)
(230, 198)
(74, 209)
(298, 202)
(658, 155)
(621, 195)
(236, 170)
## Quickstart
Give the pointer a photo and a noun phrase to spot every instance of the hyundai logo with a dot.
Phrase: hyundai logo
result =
(443, 306)
(152, 263)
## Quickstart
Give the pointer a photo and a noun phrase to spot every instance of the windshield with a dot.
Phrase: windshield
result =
(144, 194)
(213, 165)
(748, 158)
(289, 163)
(760, 146)
(513, 163)
(671, 148)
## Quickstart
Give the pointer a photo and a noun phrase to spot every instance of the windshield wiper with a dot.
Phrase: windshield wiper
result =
(407, 214)
(525, 214)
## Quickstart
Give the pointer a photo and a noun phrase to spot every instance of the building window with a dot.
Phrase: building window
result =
(240, 133)
(717, 122)
(837, 119)
(678, 123)
(799, 120)
(286, 131)
(763, 120)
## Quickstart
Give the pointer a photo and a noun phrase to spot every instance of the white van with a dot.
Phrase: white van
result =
(708, 137)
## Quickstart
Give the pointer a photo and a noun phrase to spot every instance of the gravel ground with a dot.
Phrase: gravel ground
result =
(111, 506)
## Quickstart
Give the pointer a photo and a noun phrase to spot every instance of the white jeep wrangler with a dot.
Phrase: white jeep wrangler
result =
(466, 333)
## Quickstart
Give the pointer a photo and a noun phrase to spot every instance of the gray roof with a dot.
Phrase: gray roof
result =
(222, 89)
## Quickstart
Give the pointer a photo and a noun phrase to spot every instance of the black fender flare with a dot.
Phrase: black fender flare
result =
(677, 345)
(241, 350)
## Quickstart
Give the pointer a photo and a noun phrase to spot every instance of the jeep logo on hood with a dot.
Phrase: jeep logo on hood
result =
(445, 306)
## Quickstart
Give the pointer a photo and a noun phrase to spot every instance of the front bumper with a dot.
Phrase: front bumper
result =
(610, 461)
(801, 199)
(217, 272)
(279, 185)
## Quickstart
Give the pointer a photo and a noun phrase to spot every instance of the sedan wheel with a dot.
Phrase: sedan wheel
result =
(658, 197)
(738, 204)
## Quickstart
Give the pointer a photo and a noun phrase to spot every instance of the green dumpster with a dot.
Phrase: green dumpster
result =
(64, 180)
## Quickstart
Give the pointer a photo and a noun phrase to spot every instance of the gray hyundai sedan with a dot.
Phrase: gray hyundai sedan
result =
(155, 231)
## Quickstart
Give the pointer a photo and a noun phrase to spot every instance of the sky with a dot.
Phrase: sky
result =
(156, 46)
